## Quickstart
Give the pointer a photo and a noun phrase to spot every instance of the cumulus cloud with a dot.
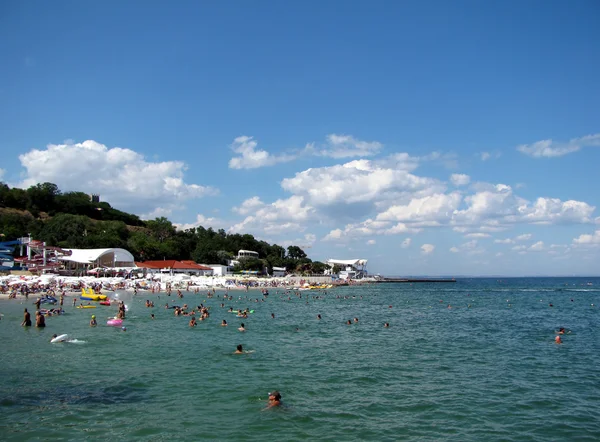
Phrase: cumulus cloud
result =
(484, 156)
(333, 235)
(121, 176)
(435, 207)
(587, 239)
(356, 182)
(251, 157)
(524, 237)
(371, 242)
(537, 247)
(477, 235)
(249, 206)
(203, 221)
(460, 179)
(283, 215)
(504, 241)
(406, 243)
(470, 247)
(549, 148)
(345, 146)
(427, 249)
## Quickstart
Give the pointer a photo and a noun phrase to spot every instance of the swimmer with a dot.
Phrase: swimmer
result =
(273, 315)
(274, 400)
(355, 319)
(239, 350)
(152, 315)
(558, 340)
(242, 328)
(348, 322)
(319, 317)
(386, 325)
(93, 322)
(193, 322)
(224, 323)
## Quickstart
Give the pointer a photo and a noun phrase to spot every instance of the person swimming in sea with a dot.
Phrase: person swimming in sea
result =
(93, 322)
(558, 340)
(274, 400)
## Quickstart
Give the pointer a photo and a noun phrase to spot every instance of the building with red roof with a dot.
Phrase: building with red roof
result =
(174, 266)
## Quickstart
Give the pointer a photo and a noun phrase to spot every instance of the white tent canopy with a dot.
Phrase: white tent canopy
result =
(348, 262)
(106, 257)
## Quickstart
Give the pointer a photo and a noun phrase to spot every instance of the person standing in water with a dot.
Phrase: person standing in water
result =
(40, 321)
(26, 319)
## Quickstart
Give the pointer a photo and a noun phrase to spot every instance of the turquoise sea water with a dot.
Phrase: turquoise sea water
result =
(490, 371)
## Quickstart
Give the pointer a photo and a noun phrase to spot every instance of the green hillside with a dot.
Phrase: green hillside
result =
(72, 220)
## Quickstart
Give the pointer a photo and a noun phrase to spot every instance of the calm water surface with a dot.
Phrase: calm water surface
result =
(485, 369)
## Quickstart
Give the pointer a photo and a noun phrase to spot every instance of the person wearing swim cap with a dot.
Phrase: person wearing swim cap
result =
(93, 322)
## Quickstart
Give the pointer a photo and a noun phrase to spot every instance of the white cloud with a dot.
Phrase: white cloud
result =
(157, 213)
(406, 243)
(460, 179)
(427, 249)
(121, 176)
(549, 148)
(430, 208)
(251, 158)
(345, 146)
(2, 172)
(203, 221)
(334, 234)
(470, 247)
(371, 242)
(588, 239)
(358, 181)
(484, 156)
(537, 247)
(524, 237)
(249, 206)
(477, 235)
(504, 241)
(282, 215)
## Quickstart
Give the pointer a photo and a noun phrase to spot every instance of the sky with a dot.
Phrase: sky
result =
(429, 137)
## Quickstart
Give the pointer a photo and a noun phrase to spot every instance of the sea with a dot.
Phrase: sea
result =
(474, 360)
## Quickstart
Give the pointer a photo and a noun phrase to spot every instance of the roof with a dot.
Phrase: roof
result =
(348, 262)
(86, 256)
(279, 269)
(172, 264)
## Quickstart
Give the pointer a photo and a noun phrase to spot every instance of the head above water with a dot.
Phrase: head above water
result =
(275, 395)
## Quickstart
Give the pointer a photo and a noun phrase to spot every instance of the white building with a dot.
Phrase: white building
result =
(352, 268)
(279, 272)
(219, 270)
(246, 254)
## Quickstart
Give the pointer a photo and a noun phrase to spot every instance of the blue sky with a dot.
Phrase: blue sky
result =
(431, 138)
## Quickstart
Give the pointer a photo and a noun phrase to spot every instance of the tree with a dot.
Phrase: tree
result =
(161, 228)
(295, 252)
(42, 197)
(317, 267)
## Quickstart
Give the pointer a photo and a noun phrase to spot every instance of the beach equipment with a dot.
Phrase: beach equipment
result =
(60, 338)
(114, 322)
